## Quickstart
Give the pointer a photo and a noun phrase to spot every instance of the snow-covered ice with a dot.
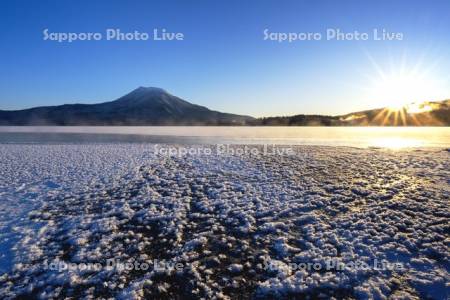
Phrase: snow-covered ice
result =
(249, 226)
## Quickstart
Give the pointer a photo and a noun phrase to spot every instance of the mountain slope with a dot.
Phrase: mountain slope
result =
(423, 114)
(143, 106)
(154, 106)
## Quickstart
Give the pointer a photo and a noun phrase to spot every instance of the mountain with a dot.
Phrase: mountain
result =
(142, 106)
(155, 106)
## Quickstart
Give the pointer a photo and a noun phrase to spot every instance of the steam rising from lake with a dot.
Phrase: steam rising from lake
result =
(389, 137)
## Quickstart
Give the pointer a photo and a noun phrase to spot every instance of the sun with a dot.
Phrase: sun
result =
(397, 90)
(402, 84)
(404, 93)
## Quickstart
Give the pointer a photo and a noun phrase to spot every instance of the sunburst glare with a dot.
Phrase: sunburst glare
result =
(402, 84)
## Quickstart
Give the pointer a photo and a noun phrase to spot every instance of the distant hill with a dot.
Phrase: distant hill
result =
(154, 106)
(423, 114)
(142, 106)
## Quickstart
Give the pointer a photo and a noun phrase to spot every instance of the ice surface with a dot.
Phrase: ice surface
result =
(224, 219)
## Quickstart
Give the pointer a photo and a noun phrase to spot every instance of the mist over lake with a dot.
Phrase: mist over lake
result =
(389, 137)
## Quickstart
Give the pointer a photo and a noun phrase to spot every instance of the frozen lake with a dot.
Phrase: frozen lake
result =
(390, 137)
(240, 226)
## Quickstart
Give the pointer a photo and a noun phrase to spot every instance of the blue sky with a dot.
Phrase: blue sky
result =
(223, 61)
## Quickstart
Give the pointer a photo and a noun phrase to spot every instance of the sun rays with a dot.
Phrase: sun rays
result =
(394, 116)
(402, 83)
(405, 91)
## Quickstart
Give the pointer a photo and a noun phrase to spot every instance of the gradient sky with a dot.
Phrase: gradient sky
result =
(223, 63)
